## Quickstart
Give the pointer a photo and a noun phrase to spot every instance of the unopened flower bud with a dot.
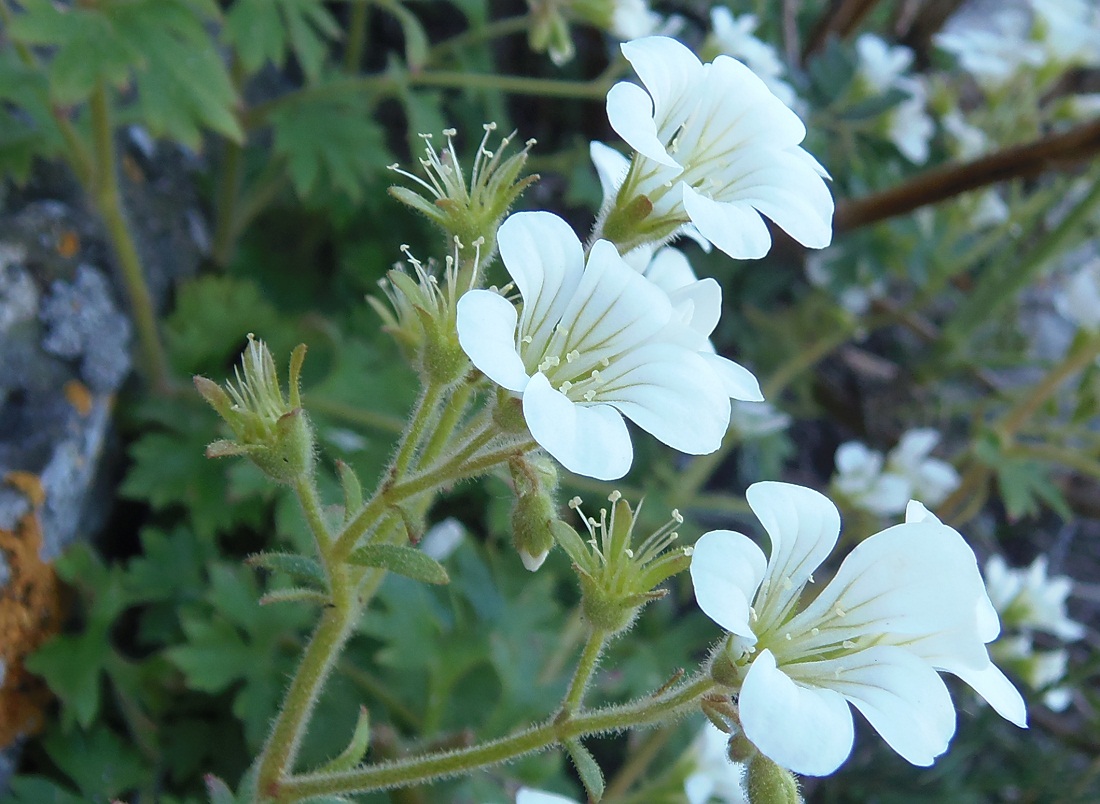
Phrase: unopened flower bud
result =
(767, 783)
(270, 429)
(531, 529)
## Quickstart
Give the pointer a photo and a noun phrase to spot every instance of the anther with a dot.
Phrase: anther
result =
(614, 496)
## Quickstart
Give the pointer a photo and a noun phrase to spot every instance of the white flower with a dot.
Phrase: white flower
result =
(1079, 300)
(714, 777)
(595, 343)
(905, 603)
(528, 795)
(1040, 669)
(881, 64)
(633, 19)
(1069, 31)
(734, 37)
(861, 480)
(968, 141)
(443, 538)
(757, 419)
(909, 126)
(1030, 599)
(930, 479)
(991, 47)
(715, 148)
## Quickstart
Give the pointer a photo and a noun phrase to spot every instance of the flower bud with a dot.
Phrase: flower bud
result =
(469, 214)
(618, 577)
(536, 481)
(272, 430)
(767, 783)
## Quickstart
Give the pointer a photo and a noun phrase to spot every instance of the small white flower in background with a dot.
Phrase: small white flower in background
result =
(1028, 598)
(989, 209)
(715, 777)
(882, 67)
(904, 604)
(595, 343)
(443, 538)
(715, 148)
(1068, 30)
(734, 36)
(883, 486)
(1039, 669)
(633, 19)
(967, 141)
(529, 795)
(860, 479)
(1079, 299)
(992, 47)
(930, 479)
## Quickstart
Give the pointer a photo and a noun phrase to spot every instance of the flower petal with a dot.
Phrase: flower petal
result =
(611, 167)
(670, 270)
(704, 297)
(806, 729)
(902, 697)
(736, 229)
(726, 570)
(590, 440)
(630, 112)
(614, 309)
(486, 323)
(528, 795)
(673, 77)
(546, 260)
(738, 382)
(990, 683)
(803, 526)
(671, 393)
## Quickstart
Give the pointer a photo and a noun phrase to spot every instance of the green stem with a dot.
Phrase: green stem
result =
(483, 33)
(108, 200)
(306, 491)
(281, 749)
(229, 187)
(453, 412)
(404, 772)
(1077, 359)
(586, 666)
(357, 35)
(422, 416)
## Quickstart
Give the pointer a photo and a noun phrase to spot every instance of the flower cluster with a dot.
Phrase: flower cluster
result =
(597, 341)
(715, 149)
(884, 485)
(904, 604)
(882, 68)
(1028, 601)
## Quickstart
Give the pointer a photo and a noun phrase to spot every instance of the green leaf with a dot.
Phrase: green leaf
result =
(100, 762)
(587, 768)
(357, 747)
(27, 128)
(39, 790)
(330, 143)
(212, 317)
(416, 38)
(407, 561)
(300, 568)
(267, 30)
(295, 595)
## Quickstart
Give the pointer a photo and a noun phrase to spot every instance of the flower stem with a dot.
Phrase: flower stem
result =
(108, 201)
(358, 18)
(666, 706)
(586, 666)
(229, 187)
(306, 491)
(482, 33)
(422, 416)
(445, 427)
(281, 749)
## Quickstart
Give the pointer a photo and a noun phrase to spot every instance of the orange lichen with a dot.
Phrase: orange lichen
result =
(68, 244)
(79, 396)
(30, 613)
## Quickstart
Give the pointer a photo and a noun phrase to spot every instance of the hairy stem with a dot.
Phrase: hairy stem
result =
(440, 765)
(586, 666)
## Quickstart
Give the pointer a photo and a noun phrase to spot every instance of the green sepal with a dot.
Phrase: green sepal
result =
(298, 567)
(353, 492)
(357, 748)
(570, 541)
(587, 768)
(407, 561)
(767, 783)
